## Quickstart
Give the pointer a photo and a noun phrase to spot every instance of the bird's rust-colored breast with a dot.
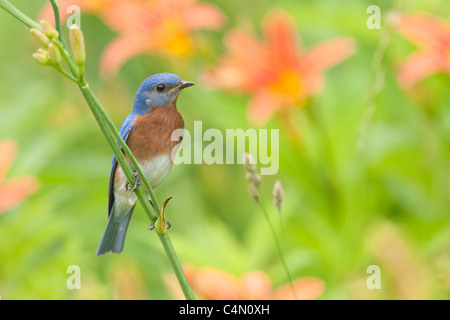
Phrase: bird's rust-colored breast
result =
(151, 133)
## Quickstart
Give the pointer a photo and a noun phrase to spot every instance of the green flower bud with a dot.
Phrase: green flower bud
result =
(77, 44)
(40, 37)
(43, 51)
(40, 58)
(53, 54)
(49, 30)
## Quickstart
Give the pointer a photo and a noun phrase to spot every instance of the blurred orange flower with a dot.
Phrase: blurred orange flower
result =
(432, 35)
(155, 26)
(215, 284)
(275, 72)
(12, 191)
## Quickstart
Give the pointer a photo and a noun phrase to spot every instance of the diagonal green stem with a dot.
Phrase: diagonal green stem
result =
(112, 137)
(62, 42)
(19, 15)
(277, 244)
(58, 22)
(377, 81)
(66, 74)
(68, 58)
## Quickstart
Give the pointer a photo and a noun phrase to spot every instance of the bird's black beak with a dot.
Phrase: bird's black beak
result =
(185, 84)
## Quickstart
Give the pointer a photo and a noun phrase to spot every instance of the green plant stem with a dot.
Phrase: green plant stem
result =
(62, 44)
(378, 78)
(58, 22)
(112, 135)
(19, 15)
(176, 266)
(65, 53)
(277, 244)
(66, 74)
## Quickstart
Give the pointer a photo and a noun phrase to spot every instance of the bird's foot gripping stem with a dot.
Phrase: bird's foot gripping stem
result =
(161, 224)
(137, 182)
(152, 226)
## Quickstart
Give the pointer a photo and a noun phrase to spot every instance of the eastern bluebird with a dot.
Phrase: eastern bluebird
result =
(147, 131)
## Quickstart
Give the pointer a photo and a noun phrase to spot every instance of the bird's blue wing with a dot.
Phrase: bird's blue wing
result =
(124, 131)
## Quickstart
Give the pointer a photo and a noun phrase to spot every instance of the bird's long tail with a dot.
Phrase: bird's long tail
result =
(114, 236)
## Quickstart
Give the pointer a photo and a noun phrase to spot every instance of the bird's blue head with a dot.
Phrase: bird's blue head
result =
(158, 90)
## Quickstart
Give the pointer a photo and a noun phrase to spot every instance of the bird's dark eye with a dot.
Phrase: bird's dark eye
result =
(160, 87)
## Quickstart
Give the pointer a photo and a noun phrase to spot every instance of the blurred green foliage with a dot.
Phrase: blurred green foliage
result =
(343, 211)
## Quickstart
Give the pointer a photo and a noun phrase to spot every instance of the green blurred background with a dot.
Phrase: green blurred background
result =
(343, 211)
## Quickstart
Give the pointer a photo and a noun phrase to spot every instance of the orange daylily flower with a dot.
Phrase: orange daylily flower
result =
(15, 190)
(275, 72)
(155, 26)
(215, 284)
(432, 35)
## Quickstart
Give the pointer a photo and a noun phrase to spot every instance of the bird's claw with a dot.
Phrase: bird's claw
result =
(152, 226)
(137, 182)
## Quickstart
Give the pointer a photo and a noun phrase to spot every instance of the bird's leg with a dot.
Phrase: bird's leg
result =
(150, 200)
(137, 182)
(152, 225)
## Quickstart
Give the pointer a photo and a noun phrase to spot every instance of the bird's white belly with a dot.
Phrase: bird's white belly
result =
(155, 171)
